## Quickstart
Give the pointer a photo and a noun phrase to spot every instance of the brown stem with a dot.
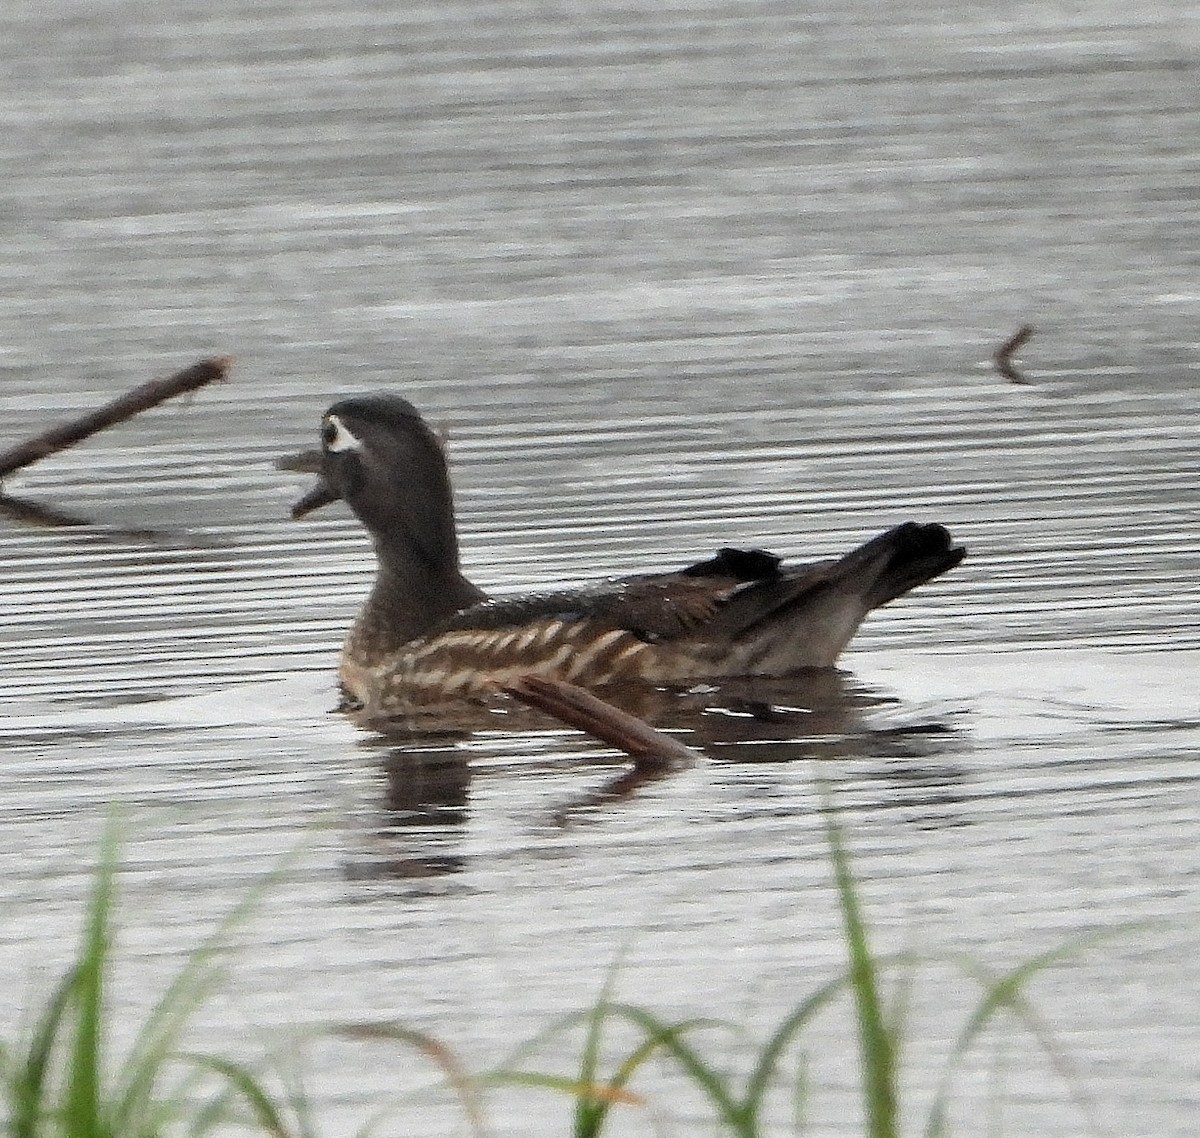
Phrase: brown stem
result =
(322, 494)
(1004, 354)
(35, 514)
(580, 709)
(302, 462)
(125, 407)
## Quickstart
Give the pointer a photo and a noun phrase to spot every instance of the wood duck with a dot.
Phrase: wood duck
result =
(427, 637)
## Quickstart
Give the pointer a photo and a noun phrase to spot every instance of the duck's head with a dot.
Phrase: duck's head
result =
(381, 458)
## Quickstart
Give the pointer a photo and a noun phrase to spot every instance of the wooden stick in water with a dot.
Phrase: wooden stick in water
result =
(302, 462)
(578, 708)
(125, 407)
(1004, 354)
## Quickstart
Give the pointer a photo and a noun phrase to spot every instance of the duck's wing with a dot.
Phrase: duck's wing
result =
(744, 612)
(652, 606)
(742, 601)
(804, 616)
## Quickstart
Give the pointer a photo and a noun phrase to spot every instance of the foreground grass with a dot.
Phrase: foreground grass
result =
(738, 1100)
(59, 1080)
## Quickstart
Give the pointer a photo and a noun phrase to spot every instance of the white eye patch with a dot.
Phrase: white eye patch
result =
(337, 437)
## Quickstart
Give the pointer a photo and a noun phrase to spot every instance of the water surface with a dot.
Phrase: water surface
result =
(672, 277)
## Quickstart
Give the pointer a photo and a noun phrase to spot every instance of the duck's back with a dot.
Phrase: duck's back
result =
(739, 613)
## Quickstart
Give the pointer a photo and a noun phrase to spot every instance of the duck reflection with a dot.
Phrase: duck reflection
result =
(425, 811)
(426, 787)
(816, 714)
(812, 714)
(820, 714)
(755, 719)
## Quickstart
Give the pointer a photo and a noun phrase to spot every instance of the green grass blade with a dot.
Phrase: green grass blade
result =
(566, 1084)
(27, 1079)
(160, 1033)
(523, 1052)
(652, 1042)
(603, 1095)
(135, 1095)
(657, 1035)
(1059, 1060)
(902, 997)
(1000, 992)
(297, 1095)
(669, 1037)
(877, 1047)
(209, 1115)
(800, 1094)
(769, 1056)
(238, 1082)
(590, 1111)
(594, 1095)
(1005, 993)
(239, 1078)
(644, 1050)
(70, 1033)
(82, 1106)
(202, 1117)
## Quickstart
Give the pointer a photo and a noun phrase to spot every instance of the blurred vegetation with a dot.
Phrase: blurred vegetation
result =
(60, 1079)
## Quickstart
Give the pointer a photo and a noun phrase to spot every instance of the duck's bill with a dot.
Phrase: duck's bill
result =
(320, 495)
(302, 462)
(308, 462)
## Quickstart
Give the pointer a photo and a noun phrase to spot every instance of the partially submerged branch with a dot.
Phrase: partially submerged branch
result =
(302, 462)
(141, 398)
(1004, 354)
(308, 462)
(649, 748)
(26, 512)
(35, 514)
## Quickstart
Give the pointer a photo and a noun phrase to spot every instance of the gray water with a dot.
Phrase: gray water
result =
(672, 276)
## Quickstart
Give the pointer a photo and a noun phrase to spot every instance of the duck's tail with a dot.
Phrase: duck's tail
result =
(802, 618)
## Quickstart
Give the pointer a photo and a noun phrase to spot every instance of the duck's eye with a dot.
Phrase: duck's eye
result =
(335, 437)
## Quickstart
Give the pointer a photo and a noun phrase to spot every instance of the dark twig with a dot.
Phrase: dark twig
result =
(649, 748)
(302, 462)
(322, 494)
(1004, 354)
(35, 514)
(308, 462)
(38, 514)
(139, 399)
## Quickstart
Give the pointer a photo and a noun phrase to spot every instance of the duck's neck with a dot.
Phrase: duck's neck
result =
(406, 601)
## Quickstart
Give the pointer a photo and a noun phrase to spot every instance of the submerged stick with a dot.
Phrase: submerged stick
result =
(35, 514)
(308, 462)
(322, 494)
(26, 512)
(125, 407)
(1004, 354)
(578, 708)
(302, 462)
